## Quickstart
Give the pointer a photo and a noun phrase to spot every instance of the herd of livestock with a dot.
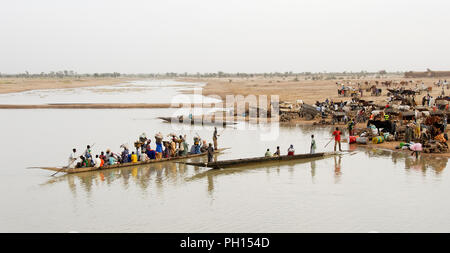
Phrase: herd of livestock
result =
(409, 115)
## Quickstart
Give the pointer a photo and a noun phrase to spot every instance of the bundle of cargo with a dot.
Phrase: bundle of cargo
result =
(433, 146)
(362, 140)
(377, 139)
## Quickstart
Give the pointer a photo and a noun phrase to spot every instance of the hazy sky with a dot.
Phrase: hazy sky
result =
(133, 36)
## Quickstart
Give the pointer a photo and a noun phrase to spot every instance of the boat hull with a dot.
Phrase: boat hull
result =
(196, 122)
(124, 165)
(245, 161)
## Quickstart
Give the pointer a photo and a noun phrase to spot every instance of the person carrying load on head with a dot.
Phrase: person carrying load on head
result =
(196, 147)
(159, 147)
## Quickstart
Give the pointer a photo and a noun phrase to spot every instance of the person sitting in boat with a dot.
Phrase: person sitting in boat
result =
(173, 147)
(278, 152)
(291, 150)
(185, 147)
(151, 154)
(112, 160)
(83, 163)
(107, 155)
(204, 147)
(143, 157)
(98, 162)
(102, 162)
(133, 157)
(148, 146)
(197, 148)
(72, 159)
(102, 156)
(125, 154)
(268, 153)
(166, 152)
(181, 148)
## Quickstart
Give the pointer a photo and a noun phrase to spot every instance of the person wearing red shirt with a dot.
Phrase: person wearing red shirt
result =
(337, 138)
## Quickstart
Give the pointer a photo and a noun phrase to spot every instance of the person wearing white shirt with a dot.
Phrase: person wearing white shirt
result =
(97, 162)
(72, 159)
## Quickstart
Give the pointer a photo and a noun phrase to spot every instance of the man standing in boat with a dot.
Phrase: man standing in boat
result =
(337, 138)
(215, 138)
(313, 145)
(72, 159)
(210, 151)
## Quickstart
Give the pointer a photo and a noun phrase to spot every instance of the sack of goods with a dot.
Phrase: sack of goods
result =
(362, 140)
(416, 147)
(158, 137)
(377, 140)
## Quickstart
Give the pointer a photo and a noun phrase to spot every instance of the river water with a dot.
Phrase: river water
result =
(358, 191)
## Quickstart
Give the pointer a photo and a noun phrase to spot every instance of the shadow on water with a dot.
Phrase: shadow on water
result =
(268, 166)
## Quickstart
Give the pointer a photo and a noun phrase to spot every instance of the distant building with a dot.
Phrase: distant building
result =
(428, 73)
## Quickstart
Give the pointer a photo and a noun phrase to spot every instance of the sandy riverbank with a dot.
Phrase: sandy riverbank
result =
(288, 89)
(10, 85)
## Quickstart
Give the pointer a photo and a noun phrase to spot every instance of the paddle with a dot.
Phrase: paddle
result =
(328, 142)
(57, 171)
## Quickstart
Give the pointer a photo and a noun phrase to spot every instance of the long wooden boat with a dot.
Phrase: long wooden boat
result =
(196, 121)
(245, 161)
(123, 165)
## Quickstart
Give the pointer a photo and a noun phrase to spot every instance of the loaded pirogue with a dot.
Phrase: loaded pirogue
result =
(130, 164)
(175, 149)
(246, 161)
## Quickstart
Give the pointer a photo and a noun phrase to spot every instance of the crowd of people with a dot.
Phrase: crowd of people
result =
(176, 146)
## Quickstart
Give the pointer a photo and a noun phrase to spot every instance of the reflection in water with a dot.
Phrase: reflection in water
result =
(337, 169)
(160, 174)
(313, 169)
(210, 184)
(422, 164)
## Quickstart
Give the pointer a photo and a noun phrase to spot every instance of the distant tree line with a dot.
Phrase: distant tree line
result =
(58, 74)
(219, 74)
